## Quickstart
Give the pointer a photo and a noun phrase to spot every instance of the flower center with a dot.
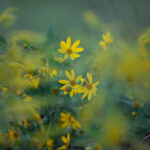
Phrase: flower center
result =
(89, 86)
(69, 50)
(73, 82)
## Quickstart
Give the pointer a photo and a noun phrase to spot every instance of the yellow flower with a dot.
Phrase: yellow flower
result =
(53, 72)
(71, 85)
(133, 113)
(107, 40)
(25, 122)
(66, 141)
(98, 146)
(88, 148)
(4, 90)
(67, 120)
(28, 75)
(27, 98)
(12, 135)
(34, 82)
(40, 145)
(49, 144)
(59, 59)
(43, 70)
(7, 18)
(90, 88)
(69, 50)
(19, 92)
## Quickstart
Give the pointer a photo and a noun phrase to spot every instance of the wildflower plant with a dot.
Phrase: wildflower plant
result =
(64, 95)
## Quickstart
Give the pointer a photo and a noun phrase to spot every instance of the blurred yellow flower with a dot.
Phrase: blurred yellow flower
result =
(7, 18)
(88, 148)
(27, 98)
(53, 72)
(98, 146)
(25, 123)
(28, 75)
(107, 40)
(4, 90)
(12, 135)
(49, 144)
(90, 88)
(40, 145)
(43, 70)
(34, 82)
(69, 50)
(59, 59)
(67, 120)
(19, 92)
(66, 141)
(71, 85)
(133, 114)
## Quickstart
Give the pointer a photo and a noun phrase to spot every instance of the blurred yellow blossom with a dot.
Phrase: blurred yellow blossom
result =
(25, 123)
(27, 98)
(107, 40)
(34, 82)
(53, 72)
(98, 146)
(19, 92)
(88, 148)
(28, 75)
(67, 120)
(49, 144)
(66, 141)
(26, 36)
(144, 42)
(8, 17)
(4, 90)
(133, 113)
(43, 70)
(90, 88)
(59, 59)
(13, 136)
(69, 50)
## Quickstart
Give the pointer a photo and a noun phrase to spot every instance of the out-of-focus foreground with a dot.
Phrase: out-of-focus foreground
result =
(75, 78)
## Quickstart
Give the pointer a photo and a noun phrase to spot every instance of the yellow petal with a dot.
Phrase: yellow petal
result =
(63, 81)
(63, 87)
(66, 56)
(62, 114)
(89, 76)
(78, 49)
(63, 45)
(68, 75)
(89, 95)
(73, 74)
(75, 44)
(68, 42)
(62, 147)
(64, 139)
(62, 50)
(74, 56)
(68, 137)
(96, 83)
(71, 93)
(84, 95)
(102, 43)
